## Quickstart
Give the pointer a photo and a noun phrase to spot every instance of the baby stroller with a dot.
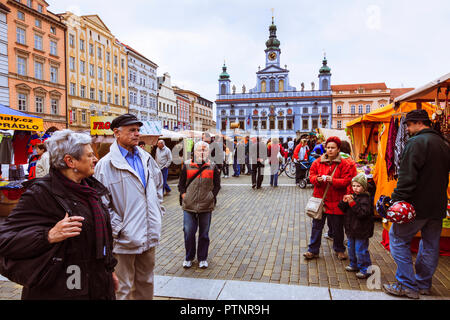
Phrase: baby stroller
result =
(306, 165)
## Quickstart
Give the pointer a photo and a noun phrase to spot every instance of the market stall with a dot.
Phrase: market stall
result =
(19, 132)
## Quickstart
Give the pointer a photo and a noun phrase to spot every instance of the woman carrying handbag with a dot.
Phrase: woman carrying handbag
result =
(333, 174)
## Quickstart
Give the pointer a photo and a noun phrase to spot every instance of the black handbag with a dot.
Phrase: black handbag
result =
(37, 271)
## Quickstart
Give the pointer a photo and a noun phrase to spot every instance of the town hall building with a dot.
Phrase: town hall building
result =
(273, 105)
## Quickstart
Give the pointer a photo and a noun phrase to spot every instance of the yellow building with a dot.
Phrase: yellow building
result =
(97, 68)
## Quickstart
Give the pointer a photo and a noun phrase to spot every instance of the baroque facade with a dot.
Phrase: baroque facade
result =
(142, 85)
(36, 55)
(97, 71)
(274, 105)
(167, 102)
(4, 66)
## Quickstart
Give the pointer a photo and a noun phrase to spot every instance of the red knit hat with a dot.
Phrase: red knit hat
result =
(335, 140)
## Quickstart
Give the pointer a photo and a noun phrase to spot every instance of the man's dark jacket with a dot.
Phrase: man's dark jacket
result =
(358, 216)
(423, 175)
(24, 233)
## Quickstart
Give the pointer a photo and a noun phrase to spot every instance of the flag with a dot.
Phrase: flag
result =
(248, 120)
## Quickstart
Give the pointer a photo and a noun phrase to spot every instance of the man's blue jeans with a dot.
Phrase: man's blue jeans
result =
(274, 179)
(236, 169)
(165, 173)
(358, 253)
(337, 221)
(400, 237)
(192, 222)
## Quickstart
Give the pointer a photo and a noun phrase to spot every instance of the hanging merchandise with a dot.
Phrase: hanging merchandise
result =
(16, 172)
(36, 139)
(400, 142)
(6, 148)
(20, 142)
(392, 135)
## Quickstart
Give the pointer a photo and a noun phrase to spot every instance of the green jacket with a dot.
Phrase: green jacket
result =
(424, 174)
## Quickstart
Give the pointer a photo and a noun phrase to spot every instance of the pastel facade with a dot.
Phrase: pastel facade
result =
(142, 85)
(183, 105)
(4, 66)
(274, 105)
(167, 102)
(36, 55)
(97, 69)
(200, 112)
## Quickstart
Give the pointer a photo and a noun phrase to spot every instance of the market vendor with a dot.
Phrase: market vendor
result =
(422, 181)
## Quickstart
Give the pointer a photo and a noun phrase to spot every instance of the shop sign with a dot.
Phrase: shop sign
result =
(101, 125)
(10, 122)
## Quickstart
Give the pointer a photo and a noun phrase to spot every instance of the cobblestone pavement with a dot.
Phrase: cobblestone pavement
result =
(260, 236)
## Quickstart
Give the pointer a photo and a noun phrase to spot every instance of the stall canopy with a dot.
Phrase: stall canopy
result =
(436, 90)
(11, 119)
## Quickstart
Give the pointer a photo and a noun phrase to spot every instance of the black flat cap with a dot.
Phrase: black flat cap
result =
(417, 115)
(126, 119)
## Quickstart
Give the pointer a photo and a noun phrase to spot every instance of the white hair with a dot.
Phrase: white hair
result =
(66, 142)
(201, 144)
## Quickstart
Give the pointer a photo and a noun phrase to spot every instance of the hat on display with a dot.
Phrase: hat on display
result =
(417, 115)
(126, 119)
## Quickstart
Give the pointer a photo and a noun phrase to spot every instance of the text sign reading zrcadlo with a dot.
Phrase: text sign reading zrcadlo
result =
(9, 122)
(101, 125)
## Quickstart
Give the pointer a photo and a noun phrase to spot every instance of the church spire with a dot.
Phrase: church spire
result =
(273, 43)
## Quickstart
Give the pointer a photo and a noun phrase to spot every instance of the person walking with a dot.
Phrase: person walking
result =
(257, 155)
(227, 159)
(236, 157)
(135, 182)
(60, 222)
(358, 225)
(423, 178)
(164, 159)
(199, 185)
(301, 153)
(330, 169)
(276, 154)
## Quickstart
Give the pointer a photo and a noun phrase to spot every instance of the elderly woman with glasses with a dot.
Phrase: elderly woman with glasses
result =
(61, 230)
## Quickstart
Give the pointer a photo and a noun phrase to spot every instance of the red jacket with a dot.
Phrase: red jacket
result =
(342, 178)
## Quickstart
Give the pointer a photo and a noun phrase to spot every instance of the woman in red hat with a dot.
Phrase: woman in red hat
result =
(321, 175)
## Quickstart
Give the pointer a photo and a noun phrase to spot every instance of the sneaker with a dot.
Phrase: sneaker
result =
(309, 255)
(351, 269)
(187, 264)
(361, 275)
(203, 264)
(397, 289)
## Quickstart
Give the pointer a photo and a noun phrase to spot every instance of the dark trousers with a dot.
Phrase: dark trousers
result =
(337, 222)
(257, 176)
(226, 169)
(299, 173)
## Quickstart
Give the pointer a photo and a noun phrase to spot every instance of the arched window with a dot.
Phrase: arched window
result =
(368, 108)
(353, 109)
(281, 86)
(272, 85)
(223, 89)
(263, 86)
(324, 84)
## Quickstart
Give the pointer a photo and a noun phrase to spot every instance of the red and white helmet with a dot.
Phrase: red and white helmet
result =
(401, 212)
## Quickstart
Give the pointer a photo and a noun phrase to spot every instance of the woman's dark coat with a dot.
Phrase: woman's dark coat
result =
(358, 217)
(24, 236)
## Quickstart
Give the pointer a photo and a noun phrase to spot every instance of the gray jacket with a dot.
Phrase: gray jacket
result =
(136, 213)
(163, 157)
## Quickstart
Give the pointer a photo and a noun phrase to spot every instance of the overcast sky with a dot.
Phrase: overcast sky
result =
(403, 43)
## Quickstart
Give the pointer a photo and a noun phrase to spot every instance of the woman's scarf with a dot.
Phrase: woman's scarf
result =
(400, 141)
(389, 158)
(85, 192)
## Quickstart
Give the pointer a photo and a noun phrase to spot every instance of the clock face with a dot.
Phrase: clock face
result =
(272, 56)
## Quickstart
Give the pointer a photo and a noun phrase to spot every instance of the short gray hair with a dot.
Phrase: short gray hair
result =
(201, 144)
(66, 142)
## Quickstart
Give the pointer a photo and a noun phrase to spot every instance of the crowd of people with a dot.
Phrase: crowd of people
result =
(105, 216)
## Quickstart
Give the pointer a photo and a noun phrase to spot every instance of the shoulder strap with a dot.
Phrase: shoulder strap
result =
(58, 199)
(195, 176)
(328, 185)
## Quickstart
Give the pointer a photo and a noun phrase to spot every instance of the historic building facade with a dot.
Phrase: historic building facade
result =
(167, 102)
(183, 106)
(274, 105)
(97, 69)
(4, 66)
(142, 85)
(200, 111)
(36, 56)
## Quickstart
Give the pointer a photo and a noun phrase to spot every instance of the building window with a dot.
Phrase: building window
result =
(123, 63)
(20, 35)
(83, 116)
(122, 81)
(72, 89)
(315, 109)
(223, 89)
(71, 40)
(38, 70)
(115, 60)
(305, 110)
(72, 63)
(272, 85)
(40, 8)
(54, 106)
(99, 53)
(280, 124)
(116, 99)
(100, 73)
(108, 57)
(22, 102)
(339, 109)
(324, 109)
(92, 93)
(30, 3)
(83, 91)
(305, 124)
(91, 70)
(38, 23)
(53, 48)
(108, 75)
(20, 15)
(339, 124)
(100, 95)
(289, 124)
(271, 124)
(109, 97)
(116, 79)
(324, 123)
(81, 44)
(124, 101)
(264, 124)
(52, 30)
(315, 123)
(37, 42)
(82, 67)
(368, 108)
(263, 86)
(21, 66)
(53, 74)
(360, 109)
(381, 105)
(39, 104)
(74, 115)
(352, 109)
(91, 49)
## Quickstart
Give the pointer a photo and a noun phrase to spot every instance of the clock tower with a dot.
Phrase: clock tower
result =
(273, 47)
